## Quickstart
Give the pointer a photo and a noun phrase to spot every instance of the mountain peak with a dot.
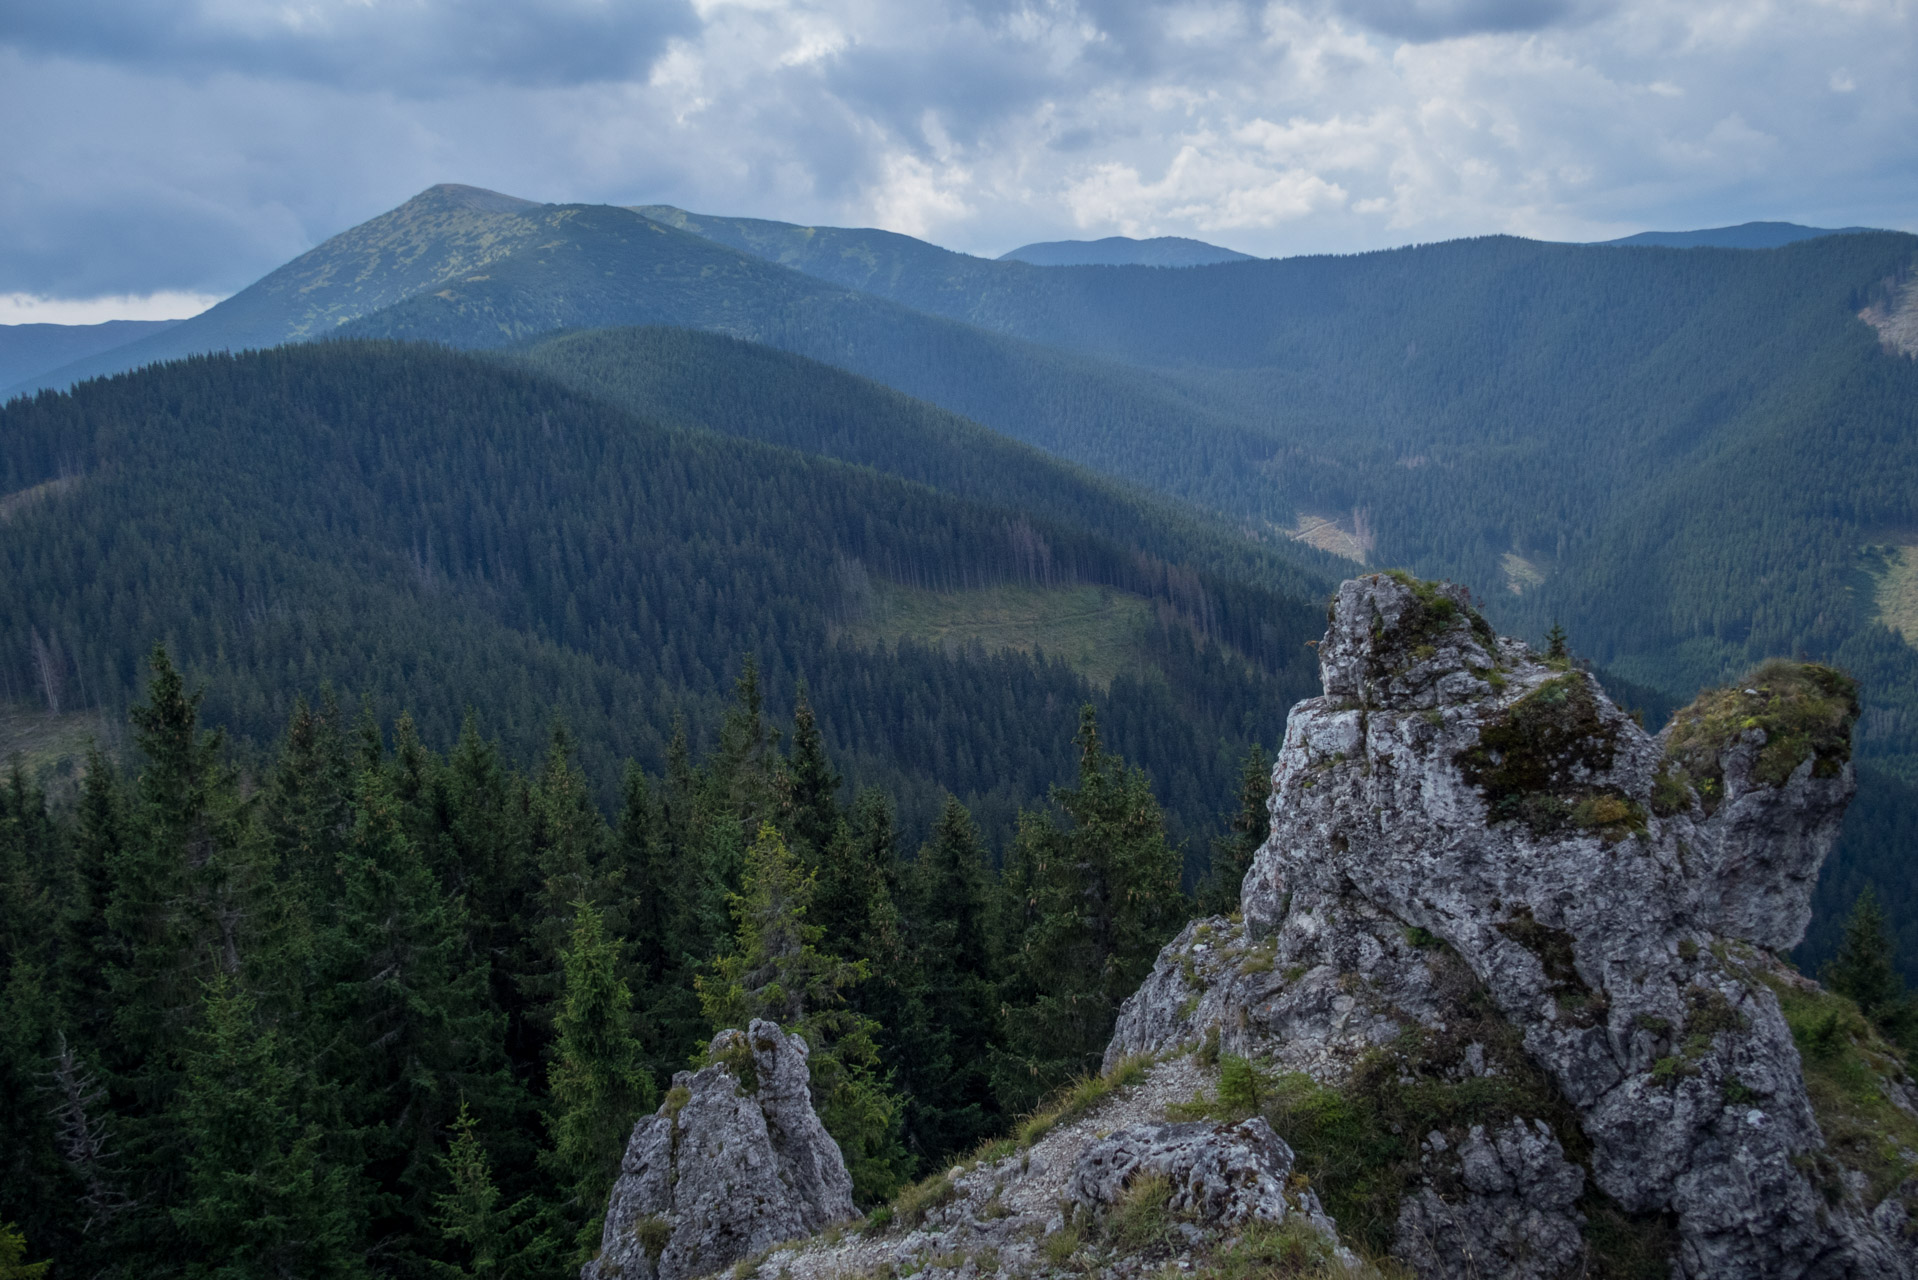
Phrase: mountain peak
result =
(1123, 251)
(457, 195)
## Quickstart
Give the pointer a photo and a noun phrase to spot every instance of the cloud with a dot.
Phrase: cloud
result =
(398, 46)
(194, 144)
(1423, 20)
(26, 308)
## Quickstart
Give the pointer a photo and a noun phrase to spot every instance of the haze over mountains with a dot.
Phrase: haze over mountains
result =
(1123, 251)
(1691, 457)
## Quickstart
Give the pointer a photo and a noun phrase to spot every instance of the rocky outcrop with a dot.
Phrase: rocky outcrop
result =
(1218, 1175)
(734, 1161)
(1476, 854)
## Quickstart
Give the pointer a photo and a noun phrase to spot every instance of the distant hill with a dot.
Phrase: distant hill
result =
(1122, 251)
(1746, 235)
(27, 350)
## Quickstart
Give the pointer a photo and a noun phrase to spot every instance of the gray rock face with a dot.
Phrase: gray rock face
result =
(726, 1168)
(1454, 794)
(1221, 1175)
(1515, 1216)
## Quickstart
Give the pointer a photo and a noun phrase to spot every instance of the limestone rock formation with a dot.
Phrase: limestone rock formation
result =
(734, 1161)
(1480, 867)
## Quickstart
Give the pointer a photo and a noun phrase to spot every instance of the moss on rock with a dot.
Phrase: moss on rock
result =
(1535, 764)
(1802, 710)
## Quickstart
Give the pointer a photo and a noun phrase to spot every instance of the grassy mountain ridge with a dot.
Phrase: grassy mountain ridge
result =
(444, 232)
(612, 267)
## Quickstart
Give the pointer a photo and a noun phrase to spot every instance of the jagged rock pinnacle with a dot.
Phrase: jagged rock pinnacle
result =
(1469, 841)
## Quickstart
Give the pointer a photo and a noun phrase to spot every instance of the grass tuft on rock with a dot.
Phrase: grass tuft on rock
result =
(1080, 1097)
(1847, 1066)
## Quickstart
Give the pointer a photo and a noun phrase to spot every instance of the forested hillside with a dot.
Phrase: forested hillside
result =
(685, 377)
(435, 532)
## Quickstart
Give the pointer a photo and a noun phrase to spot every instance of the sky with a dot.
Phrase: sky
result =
(160, 154)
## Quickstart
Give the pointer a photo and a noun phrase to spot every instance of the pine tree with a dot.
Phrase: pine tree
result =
(259, 1198)
(1232, 853)
(599, 1086)
(1555, 643)
(1105, 895)
(1865, 969)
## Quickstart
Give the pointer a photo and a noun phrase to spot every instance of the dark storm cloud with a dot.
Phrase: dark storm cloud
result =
(410, 47)
(1425, 20)
(192, 145)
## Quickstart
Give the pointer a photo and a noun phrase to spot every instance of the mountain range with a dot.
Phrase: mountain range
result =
(1691, 458)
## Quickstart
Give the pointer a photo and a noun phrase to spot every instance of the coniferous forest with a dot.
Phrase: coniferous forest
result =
(377, 1008)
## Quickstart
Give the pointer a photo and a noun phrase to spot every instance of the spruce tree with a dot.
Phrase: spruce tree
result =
(1865, 969)
(745, 768)
(403, 1015)
(182, 905)
(13, 1256)
(490, 1241)
(260, 1199)
(810, 786)
(945, 1055)
(87, 949)
(1232, 853)
(569, 843)
(777, 971)
(1105, 896)
(598, 1084)
(856, 867)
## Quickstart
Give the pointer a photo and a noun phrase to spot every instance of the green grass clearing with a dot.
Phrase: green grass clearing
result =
(1098, 631)
(1897, 592)
(52, 749)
